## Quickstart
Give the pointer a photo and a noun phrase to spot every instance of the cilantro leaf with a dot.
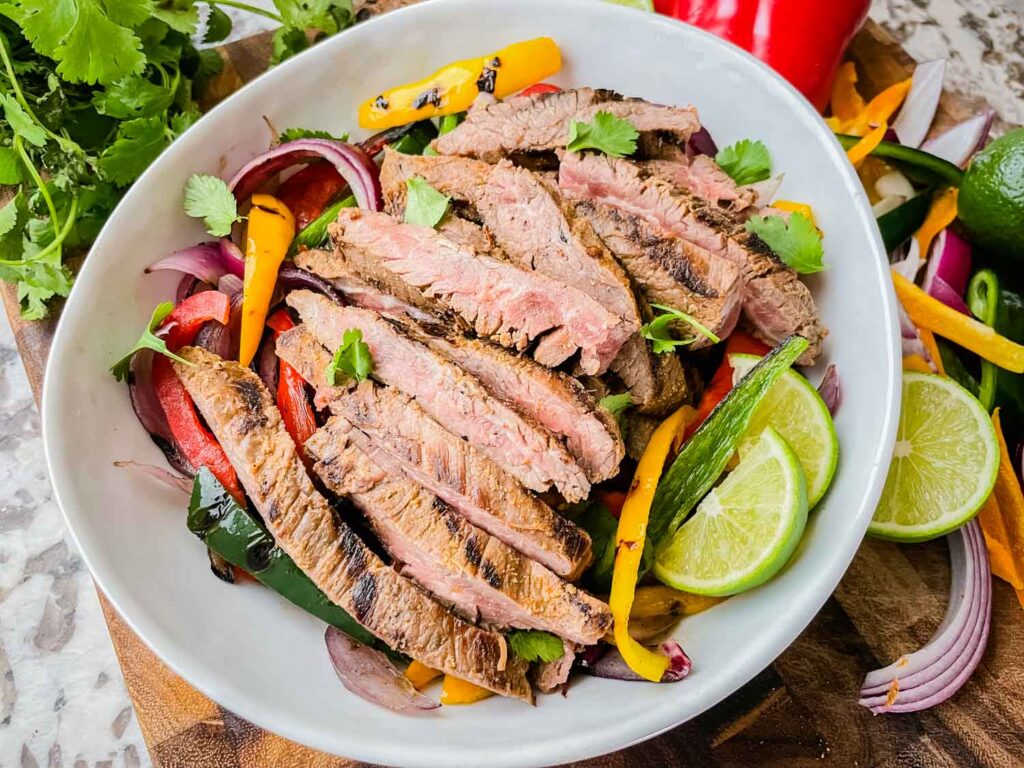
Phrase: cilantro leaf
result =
(208, 198)
(294, 134)
(8, 217)
(138, 144)
(605, 133)
(38, 283)
(534, 645)
(352, 359)
(746, 161)
(180, 15)
(131, 98)
(21, 123)
(796, 242)
(218, 25)
(10, 166)
(616, 404)
(148, 340)
(424, 205)
(659, 330)
(286, 42)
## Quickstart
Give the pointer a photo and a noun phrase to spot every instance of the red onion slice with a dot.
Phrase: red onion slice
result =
(369, 674)
(354, 165)
(232, 258)
(941, 290)
(201, 261)
(918, 111)
(938, 670)
(165, 476)
(959, 143)
(830, 390)
(701, 143)
(764, 191)
(950, 260)
(292, 278)
(607, 662)
(230, 284)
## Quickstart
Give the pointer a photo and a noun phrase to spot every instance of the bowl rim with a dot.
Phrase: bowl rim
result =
(572, 746)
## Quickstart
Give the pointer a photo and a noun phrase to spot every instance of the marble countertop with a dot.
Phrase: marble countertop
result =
(62, 697)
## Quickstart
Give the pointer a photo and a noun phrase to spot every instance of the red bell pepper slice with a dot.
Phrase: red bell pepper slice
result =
(308, 193)
(533, 90)
(199, 447)
(739, 342)
(296, 412)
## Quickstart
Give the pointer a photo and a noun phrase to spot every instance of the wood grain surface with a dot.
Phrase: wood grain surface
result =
(801, 711)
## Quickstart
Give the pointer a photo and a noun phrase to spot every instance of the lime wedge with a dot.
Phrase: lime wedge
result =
(641, 5)
(795, 409)
(744, 530)
(944, 465)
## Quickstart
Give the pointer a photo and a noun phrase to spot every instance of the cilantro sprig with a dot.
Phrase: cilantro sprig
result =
(606, 133)
(424, 205)
(148, 340)
(352, 359)
(659, 330)
(746, 161)
(208, 198)
(535, 645)
(796, 242)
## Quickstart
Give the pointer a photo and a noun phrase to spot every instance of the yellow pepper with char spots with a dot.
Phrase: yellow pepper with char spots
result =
(453, 88)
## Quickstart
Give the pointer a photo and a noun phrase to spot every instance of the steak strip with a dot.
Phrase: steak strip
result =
(401, 438)
(242, 415)
(452, 397)
(446, 554)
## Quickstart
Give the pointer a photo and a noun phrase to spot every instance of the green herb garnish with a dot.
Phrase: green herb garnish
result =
(294, 134)
(148, 340)
(424, 205)
(659, 330)
(351, 360)
(796, 242)
(208, 198)
(746, 161)
(606, 133)
(534, 645)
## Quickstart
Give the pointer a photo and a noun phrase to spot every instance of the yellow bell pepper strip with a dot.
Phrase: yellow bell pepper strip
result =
(928, 339)
(868, 144)
(916, 363)
(932, 314)
(795, 207)
(453, 88)
(420, 675)
(629, 541)
(847, 102)
(1002, 518)
(270, 233)
(940, 215)
(456, 691)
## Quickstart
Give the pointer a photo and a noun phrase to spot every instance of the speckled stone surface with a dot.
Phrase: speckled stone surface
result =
(62, 698)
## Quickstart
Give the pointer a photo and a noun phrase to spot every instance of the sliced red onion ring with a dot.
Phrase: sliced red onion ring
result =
(232, 258)
(941, 290)
(911, 264)
(369, 674)
(701, 143)
(607, 662)
(201, 261)
(959, 143)
(950, 260)
(186, 287)
(934, 673)
(165, 476)
(266, 363)
(292, 278)
(354, 165)
(830, 389)
(230, 284)
(149, 412)
(918, 111)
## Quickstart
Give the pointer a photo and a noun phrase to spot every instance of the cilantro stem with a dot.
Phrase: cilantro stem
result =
(249, 8)
(57, 242)
(19, 146)
(5, 56)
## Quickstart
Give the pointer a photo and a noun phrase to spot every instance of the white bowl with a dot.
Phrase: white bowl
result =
(263, 658)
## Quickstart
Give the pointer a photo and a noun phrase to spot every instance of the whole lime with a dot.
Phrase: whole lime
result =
(991, 202)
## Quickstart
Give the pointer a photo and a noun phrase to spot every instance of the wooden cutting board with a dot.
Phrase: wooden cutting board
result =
(800, 711)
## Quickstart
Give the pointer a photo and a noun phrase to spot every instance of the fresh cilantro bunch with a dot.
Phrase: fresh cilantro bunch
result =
(91, 92)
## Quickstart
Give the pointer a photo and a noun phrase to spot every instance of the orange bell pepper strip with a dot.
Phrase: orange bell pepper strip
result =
(928, 339)
(455, 87)
(456, 691)
(794, 207)
(1002, 518)
(630, 539)
(420, 675)
(940, 215)
(933, 315)
(270, 233)
(879, 110)
(868, 144)
(846, 102)
(916, 363)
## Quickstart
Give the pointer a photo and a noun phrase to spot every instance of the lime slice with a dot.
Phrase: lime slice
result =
(794, 408)
(640, 5)
(945, 463)
(744, 530)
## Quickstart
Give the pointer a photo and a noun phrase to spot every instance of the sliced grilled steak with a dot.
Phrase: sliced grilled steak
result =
(511, 305)
(452, 397)
(457, 177)
(446, 554)
(702, 176)
(656, 383)
(531, 124)
(241, 413)
(669, 270)
(775, 302)
(549, 676)
(401, 438)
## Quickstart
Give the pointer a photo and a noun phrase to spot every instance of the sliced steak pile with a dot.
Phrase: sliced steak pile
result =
(538, 230)
(534, 124)
(669, 270)
(480, 575)
(242, 415)
(453, 398)
(501, 301)
(702, 176)
(775, 302)
(394, 431)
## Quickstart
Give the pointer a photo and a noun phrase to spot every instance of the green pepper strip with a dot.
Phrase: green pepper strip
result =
(901, 222)
(704, 456)
(935, 166)
(315, 233)
(238, 536)
(983, 300)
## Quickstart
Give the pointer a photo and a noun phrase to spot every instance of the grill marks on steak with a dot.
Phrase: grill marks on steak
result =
(541, 123)
(241, 413)
(702, 176)
(479, 574)
(393, 430)
(775, 302)
(511, 305)
(452, 397)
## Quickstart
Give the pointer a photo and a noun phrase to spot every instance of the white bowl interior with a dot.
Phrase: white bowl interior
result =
(265, 659)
